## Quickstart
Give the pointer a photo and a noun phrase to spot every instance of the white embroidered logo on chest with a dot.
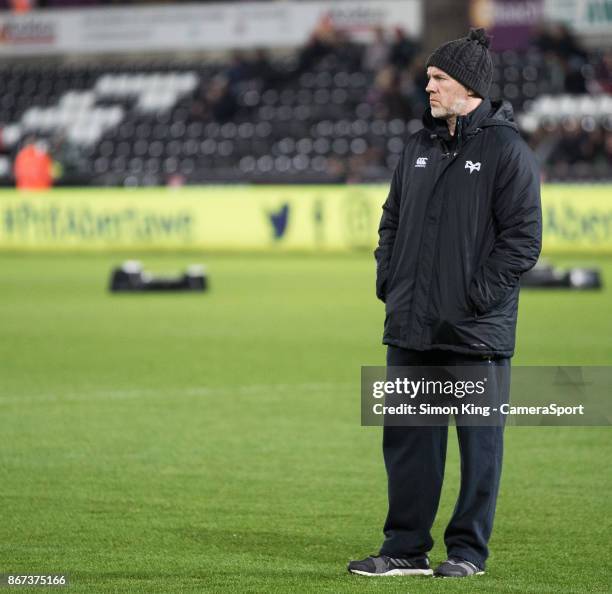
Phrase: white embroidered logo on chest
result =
(421, 162)
(472, 166)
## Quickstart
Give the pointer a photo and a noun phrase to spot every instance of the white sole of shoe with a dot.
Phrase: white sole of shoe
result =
(452, 577)
(393, 572)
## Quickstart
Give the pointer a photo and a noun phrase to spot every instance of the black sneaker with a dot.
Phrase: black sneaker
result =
(454, 567)
(381, 565)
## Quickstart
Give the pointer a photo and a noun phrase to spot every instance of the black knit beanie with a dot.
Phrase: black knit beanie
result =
(467, 60)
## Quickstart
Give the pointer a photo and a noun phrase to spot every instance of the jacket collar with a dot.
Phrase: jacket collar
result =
(467, 125)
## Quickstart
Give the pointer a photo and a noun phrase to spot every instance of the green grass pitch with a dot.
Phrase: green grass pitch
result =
(212, 443)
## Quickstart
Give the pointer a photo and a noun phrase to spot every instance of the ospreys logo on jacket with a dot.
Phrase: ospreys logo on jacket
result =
(456, 235)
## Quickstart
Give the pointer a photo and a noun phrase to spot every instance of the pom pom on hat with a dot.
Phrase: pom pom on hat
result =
(480, 35)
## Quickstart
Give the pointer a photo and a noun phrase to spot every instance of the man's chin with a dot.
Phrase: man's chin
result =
(439, 113)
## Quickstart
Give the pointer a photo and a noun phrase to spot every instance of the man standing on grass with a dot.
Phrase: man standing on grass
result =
(461, 223)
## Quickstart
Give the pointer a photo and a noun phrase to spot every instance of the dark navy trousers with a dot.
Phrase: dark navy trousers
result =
(415, 459)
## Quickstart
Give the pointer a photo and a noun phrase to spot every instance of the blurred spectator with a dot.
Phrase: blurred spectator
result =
(607, 156)
(366, 167)
(238, 71)
(221, 99)
(574, 80)
(349, 54)
(176, 180)
(571, 145)
(261, 68)
(22, 5)
(33, 166)
(414, 83)
(564, 56)
(336, 170)
(320, 44)
(376, 54)
(603, 74)
(558, 40)
(386, 95)
(403, 49)
(574, 149)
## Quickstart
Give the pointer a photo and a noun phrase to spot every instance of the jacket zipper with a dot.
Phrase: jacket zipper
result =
(451, 156)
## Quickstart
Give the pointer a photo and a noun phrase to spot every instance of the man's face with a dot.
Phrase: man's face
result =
(447, 97)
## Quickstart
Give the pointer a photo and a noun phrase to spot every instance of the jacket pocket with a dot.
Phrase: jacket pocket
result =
(476, 306)
(381, 284)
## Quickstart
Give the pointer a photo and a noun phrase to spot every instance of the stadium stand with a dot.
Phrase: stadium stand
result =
(332, 112)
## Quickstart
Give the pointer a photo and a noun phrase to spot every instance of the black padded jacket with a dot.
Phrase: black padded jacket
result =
(461, 223)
